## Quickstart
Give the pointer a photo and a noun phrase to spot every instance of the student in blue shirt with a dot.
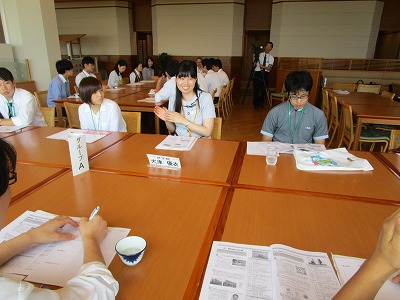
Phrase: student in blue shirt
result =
(59, 85)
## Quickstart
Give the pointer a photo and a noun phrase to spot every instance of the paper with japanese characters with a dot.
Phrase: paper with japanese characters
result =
(260, 148)
(91, 136)
(78, 153)
(239, 271)
(180, 143)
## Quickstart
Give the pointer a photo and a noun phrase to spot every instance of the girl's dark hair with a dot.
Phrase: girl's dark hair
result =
(147, 64)
(298, 80)
(8, 160)
(121, 63)
(137, 64)
(87, 87)
(186, 68)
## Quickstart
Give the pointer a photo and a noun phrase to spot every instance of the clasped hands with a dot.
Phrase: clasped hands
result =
(169, 116)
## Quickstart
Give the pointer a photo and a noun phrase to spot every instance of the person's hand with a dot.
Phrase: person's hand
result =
(387, 251)
(175, 117)
(48, 232)
(106, 87)
(95, 229)
(160, 112)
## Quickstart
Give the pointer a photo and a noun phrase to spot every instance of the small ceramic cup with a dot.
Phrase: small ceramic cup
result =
(131, 249)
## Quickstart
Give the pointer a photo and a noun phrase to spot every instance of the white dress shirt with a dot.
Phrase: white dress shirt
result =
(223, 77)
(213, 82)
(168, 91)
(114, 79)
(268, 61)
(82, 75)
(202, 82)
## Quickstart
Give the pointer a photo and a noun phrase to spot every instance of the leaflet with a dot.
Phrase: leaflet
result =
(260, 148)
(239, 271)
(180, 143)
(90, 135)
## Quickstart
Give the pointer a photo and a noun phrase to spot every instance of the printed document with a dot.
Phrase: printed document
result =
(239, 271)
(90, 135)
(260, 148)
(53, 263)
(11, 128)
(180, 143)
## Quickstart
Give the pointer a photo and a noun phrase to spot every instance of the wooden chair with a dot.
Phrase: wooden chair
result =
(216, 133)
(29, 86)
(350, 87)
(280, 96)
(388, 95)
(72, 115)
(346, 134)
(49, 115)
(369, 88)
(219, 106)
(394, 139)
(334, 118)
(76, 89)
(125, 80)
(325, 105)
(229, 99)
(132, 120)
(41, 98)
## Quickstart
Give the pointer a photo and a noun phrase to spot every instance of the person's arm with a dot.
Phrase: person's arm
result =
(27, 107)
(161, 113)
(93, 233)
(321, 141)
(84, 118)
(46, 233)
(205, 129)
(385, 261)
(267, 138)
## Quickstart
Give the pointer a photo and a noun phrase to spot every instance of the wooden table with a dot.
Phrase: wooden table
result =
(379, 185)
(307, 222)
(177, 219)
(392, 160)
(209, 161)
(365, 99)
(34, 147)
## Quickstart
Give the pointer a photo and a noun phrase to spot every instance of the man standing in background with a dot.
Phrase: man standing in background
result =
(261, 73)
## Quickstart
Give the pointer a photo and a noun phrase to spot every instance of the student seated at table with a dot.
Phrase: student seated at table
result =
(212, 79)
(168, 90)
(217, 68)
(97, 112)
(115, 77)
(148, 70)
(59, 85)
(93, 281)
(88, 69)
(17, 106)
(136, 75)
(383, 263)
(192, 111)
(296, 121)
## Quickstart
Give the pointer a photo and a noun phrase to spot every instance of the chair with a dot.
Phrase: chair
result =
(72, 115)
(346, 134)
(394, 139)
(219, 106)
(229, 99)
(49, 115)
(369, 88)
(350, 87)
(388, 95)
(325, 105)
(132, 120)
(216, 133)
(279, 96)
(334, 118)
(29, 85)
(41, 98)
(76, 89)
(125, 80)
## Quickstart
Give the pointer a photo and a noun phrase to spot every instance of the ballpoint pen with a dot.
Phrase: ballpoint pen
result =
(94, 212)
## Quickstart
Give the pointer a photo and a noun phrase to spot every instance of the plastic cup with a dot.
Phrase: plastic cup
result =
(272, 155)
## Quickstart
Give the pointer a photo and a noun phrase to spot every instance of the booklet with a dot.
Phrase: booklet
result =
(180, 143)
(239, 271)
(52, 263)
(90, 135)
(260, 148)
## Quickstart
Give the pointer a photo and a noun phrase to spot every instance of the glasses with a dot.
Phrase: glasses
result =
(299, 97)
(12, 178)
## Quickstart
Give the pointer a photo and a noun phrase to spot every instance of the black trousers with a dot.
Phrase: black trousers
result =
(260, 86)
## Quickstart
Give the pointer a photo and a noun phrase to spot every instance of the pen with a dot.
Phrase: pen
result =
(94, 212)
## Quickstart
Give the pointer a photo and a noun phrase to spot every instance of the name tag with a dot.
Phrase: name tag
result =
(161, 161)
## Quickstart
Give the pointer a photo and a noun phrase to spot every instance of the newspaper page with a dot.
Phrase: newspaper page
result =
(302, 274)
(236, 272)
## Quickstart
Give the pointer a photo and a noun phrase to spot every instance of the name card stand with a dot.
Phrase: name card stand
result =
(167, 162)
(78, 153)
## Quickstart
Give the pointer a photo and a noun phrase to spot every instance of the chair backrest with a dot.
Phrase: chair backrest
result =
(213, 93)
(334, 119)
(49, 115)
(346, 135)
(325, 105)
(369, 88)
(29, 86)
(125, 80)
(394, 139)
(350, 87)
(216, 133)
(132, 120)
(76, 89)
(72, 114)
(388, 95)
(41, 98)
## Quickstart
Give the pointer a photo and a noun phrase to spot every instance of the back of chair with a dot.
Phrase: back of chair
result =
(49, 115)
(41, 98)
(132, 120)
(350, 87)
(125, 80)
(394, 139)
(29, 86)
(346, 135)
(388, 95)
(325, 105)
(334, 118)
(76, 89)
(213, 93)
(216, 133)
(369, 88)
(72, 114)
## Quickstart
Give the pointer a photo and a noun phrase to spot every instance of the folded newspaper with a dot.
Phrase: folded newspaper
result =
(330, 160)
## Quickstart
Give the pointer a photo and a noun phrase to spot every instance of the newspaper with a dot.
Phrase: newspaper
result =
(260, 148)
(238, 271)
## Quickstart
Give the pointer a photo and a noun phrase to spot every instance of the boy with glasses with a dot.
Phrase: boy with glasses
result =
(296, 121)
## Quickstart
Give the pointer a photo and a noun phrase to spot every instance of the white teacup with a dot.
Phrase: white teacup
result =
(131, 249)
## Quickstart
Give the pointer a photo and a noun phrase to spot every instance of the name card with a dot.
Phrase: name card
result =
(78, 153)
(164, 161)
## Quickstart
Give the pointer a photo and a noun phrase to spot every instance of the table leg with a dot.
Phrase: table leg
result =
(157, 124)
(357, 133)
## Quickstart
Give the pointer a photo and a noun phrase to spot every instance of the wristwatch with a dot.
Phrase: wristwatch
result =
(187, 124)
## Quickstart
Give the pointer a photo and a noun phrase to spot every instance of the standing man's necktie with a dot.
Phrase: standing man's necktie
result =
(265, 60)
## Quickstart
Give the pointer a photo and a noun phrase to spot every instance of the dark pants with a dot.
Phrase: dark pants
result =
(260, 86)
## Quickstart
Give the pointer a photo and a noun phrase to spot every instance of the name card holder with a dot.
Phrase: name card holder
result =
(160, 161)
(78, 153)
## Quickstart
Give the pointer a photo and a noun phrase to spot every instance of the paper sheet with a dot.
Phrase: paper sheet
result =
(11, 128)
(53, 263)
(90, 135)
(180, 143)
(260, 148)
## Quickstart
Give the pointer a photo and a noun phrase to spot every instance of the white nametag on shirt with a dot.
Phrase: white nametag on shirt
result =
(161, 161)
(78, 153)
